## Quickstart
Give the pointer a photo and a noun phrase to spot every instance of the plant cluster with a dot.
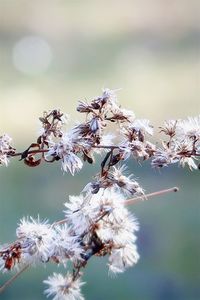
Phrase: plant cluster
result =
(97, 222)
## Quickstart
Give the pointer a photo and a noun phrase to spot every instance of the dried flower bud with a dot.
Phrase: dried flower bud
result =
(83, 107)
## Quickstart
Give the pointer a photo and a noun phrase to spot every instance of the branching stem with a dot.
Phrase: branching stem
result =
(12, 279)
(111, 147)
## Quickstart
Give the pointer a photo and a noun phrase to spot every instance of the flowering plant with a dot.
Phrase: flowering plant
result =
(97, 222)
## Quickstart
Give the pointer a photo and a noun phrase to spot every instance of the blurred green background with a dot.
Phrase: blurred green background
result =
(53, 53)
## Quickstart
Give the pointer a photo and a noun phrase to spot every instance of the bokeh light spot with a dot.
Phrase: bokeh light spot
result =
(32, 55)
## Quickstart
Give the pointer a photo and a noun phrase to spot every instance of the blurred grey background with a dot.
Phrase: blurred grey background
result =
(53, 53)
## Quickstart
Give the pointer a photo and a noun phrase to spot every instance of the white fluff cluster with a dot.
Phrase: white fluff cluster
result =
(91, 136)
(94, 225)
(36, 238)
(63, 287)
(66, 150)
(183, 145)
(105, 225)
(95, 136)
(5, 149)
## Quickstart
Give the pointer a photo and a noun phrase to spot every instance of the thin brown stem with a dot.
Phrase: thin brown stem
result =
(12, 279)
(30, 152)
(76, 273)
(111, 147)
(46, 150)
(146, 197)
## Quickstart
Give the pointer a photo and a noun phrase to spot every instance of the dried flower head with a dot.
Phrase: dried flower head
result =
(64, 287)
(36, 239)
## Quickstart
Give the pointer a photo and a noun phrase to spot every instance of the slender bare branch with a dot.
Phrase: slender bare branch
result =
(12, 279)
(146, 197)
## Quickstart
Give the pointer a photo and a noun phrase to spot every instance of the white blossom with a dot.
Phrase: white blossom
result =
(169, 127)
(63, 287)
(164, 157)
(80, 212)
(119, 233)
(118, 225)
(127, 183)
(188, 161)
(122, 258)
(71, 162)
(138, 149)
(66, 244)
(190, 127)
(143, 126)
(36, 238)
(109, 200)
(111, 96)
(65, 150)
(4, 159)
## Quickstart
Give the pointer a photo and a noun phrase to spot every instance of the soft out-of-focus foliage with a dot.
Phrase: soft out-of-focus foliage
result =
(54, 53)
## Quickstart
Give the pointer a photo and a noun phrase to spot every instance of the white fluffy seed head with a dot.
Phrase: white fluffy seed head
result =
(63, 287)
